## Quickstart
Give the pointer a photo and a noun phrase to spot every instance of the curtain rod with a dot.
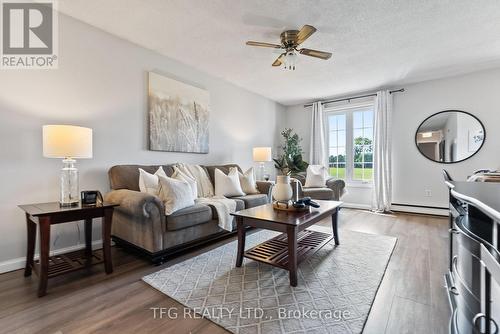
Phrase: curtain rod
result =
(355, 97)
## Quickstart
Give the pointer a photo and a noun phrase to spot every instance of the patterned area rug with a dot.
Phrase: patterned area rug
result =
(336, 287)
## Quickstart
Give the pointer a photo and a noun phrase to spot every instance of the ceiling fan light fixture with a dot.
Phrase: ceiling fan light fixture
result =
(290, 60)
(289, 41)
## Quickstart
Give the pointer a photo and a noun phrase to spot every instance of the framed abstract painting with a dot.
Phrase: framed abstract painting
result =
(178, 116)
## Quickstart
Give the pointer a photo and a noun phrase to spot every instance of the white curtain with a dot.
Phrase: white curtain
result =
(317, 150)
(382, 159)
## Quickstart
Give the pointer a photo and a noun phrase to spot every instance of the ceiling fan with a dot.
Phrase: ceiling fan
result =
(290, 40)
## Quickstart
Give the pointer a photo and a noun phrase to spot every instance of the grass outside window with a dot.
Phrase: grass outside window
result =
(358, 173)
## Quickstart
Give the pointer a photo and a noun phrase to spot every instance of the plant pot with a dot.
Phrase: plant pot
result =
(282, 190)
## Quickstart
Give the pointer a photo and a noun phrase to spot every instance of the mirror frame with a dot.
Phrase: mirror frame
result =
(450, 162)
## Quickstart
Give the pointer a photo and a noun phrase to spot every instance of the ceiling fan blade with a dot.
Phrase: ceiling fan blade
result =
(278, 60)
(266, 45)
(304, 33)
(315, 53)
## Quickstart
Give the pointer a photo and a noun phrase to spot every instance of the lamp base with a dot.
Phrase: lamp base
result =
(262, 171)
(69, 184)
(69, 205)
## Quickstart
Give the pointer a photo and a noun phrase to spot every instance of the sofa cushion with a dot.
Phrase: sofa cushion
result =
(175, 194)
(253, 200)
(190, 216)
(127, 176)
(240, 204)
(227, 185)
(247, 182)
(149, 183)
(223, 168)
(316, 176)
(318, 193)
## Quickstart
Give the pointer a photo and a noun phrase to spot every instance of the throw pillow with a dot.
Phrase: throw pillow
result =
(148, 183)
(316, 176)
(247, 181)
(179, 175)
(227, 185)
(176, 194)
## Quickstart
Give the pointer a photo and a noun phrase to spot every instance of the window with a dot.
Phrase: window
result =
(350, 143)
(337, 135)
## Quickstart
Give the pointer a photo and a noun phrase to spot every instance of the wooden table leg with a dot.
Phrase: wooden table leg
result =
(241, 241)
(106, 239)
(44, 225)
(335, 217)
(292, 254)
(31, 240)
(88, 239)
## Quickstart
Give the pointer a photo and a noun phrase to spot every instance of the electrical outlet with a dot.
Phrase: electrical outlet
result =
(428, 193)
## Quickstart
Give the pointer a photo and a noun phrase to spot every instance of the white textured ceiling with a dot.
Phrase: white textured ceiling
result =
(374, 43)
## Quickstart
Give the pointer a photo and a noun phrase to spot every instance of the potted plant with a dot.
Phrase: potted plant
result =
(288, 163)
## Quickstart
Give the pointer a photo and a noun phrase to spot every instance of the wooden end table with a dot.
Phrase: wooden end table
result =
(48, 214)
(295, 243)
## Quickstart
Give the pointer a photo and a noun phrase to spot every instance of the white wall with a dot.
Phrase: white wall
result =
(102, 83)
(476, 93)
(413, 174)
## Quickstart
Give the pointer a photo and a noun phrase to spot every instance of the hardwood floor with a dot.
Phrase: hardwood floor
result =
(411, 298)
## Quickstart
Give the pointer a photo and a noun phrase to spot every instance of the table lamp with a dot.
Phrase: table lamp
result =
(67, 142)
(261, 155)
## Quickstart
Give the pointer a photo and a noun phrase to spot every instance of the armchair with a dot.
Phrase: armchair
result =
(333, 190)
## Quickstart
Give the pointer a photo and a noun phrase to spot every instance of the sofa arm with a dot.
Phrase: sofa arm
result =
(265, 187)
(338, 187)
(135, 203)
(140, 218)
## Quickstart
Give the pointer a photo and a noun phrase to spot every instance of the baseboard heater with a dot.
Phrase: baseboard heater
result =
(425, 209)
(422, 206)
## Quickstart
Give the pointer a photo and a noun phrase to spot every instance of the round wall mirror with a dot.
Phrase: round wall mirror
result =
(450, 136)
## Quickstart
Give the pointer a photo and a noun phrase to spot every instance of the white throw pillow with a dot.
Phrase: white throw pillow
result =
(316, 176)
(179, 175)
(148, 183)
(247, 181)
(176, 194)
(227, 185)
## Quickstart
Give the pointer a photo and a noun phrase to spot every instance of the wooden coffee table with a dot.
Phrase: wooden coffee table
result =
(295, 243)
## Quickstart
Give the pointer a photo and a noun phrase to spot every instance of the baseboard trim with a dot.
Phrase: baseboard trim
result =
(405, 208)
(356, 206)
(19, 263)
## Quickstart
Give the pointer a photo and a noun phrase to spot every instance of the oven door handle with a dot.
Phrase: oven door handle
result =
(453, 289)
(475, 322)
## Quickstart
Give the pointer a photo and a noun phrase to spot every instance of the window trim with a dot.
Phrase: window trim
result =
(348, 110)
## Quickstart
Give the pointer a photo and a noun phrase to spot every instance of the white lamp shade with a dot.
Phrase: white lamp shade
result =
(261, 154)
(67, 141)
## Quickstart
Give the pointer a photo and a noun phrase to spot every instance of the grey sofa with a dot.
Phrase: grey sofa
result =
(333, 190)
(140, 222)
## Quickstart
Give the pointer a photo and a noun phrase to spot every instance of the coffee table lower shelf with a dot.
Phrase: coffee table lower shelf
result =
(275, 250)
